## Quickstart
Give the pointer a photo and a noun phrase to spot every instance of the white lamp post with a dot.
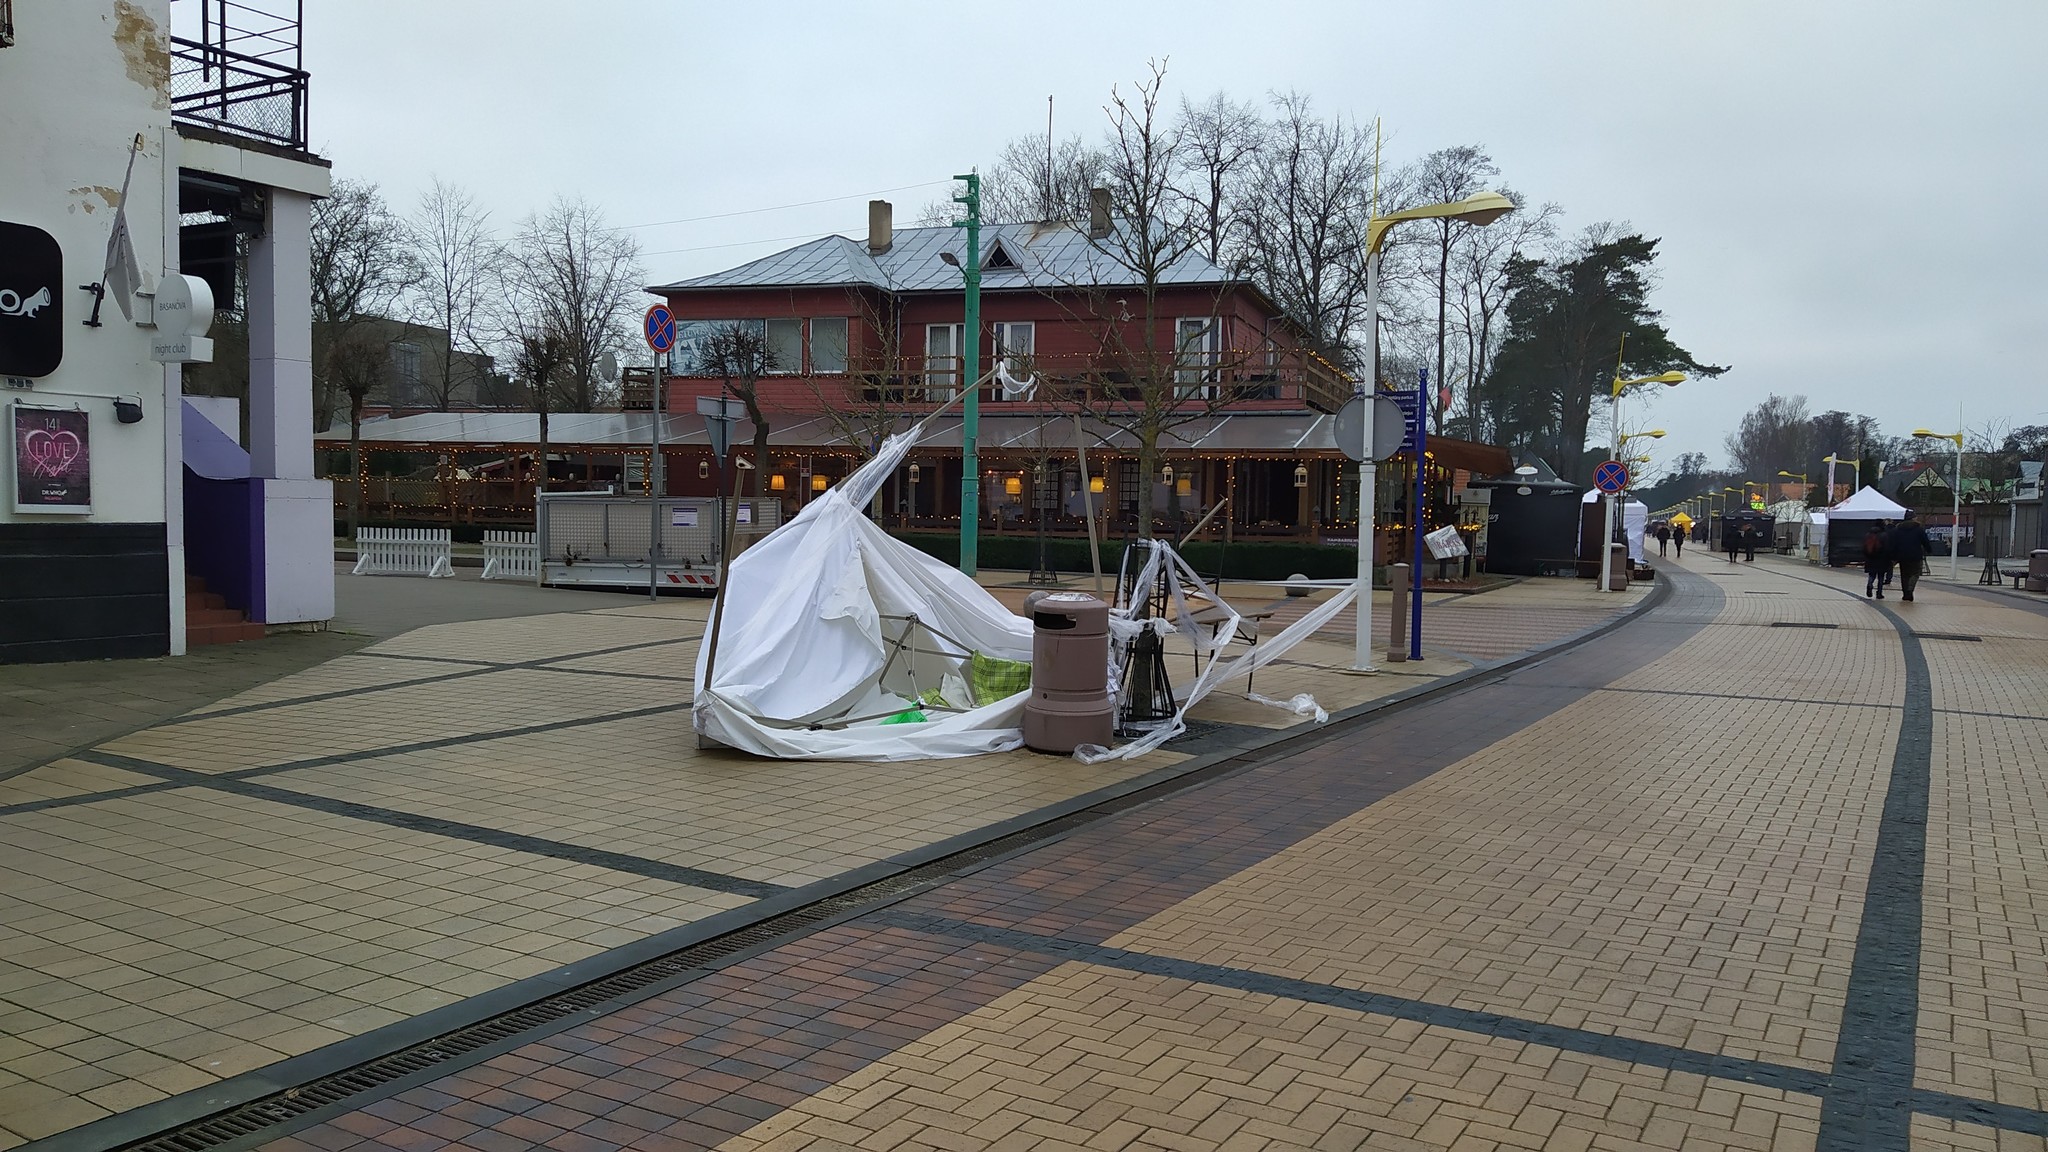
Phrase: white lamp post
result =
(1955, 519)
(1479, 208)
(1614, 426)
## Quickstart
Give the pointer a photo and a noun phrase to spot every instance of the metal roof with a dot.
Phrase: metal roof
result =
(1048, 255)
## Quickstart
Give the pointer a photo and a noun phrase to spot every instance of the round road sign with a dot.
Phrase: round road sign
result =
(1611, 476)
(660, 328)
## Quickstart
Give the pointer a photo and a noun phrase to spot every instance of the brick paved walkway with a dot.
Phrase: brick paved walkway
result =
(391, 841)
(1764, 869)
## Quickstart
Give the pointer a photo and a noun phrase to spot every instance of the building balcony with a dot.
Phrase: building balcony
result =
(242, 77)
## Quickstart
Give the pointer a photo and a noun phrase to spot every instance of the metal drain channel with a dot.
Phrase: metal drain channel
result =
(1799, 624)
(238, 1125)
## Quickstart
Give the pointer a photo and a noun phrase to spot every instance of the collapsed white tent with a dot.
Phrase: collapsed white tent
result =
(837, 641)
(1635, 520)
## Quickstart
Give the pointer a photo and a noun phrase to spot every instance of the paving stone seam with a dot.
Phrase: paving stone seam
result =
(451, 829)
(1877, 1046)
(1645, 1053)
(483, 668)
(151, 1120)
(49, 803)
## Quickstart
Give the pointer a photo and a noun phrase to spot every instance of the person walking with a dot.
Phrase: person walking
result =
(1663, 539)
(1731, 540)
(1877, 560)
(1678, 542)
(1749, 535)
(1909, 547)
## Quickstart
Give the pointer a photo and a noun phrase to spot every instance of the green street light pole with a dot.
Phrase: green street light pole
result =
(970, 409)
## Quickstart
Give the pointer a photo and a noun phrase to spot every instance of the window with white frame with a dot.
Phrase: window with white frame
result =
(1015, 341)
(785, 346)
(1197, 348)
(942, 352)
(828, 345)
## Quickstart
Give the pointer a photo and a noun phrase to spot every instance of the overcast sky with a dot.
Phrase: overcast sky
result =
(1841, 189)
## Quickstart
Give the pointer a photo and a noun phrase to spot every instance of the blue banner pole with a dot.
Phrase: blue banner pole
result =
(1415, 512)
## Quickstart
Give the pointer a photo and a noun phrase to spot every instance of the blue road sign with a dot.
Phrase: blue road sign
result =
(660, 328)
(1411, 415)
(1611, 476)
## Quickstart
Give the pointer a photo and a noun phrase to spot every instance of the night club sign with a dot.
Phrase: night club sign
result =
(31, 301)
(52, 459)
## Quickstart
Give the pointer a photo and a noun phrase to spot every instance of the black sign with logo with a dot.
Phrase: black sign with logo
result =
(31, 301)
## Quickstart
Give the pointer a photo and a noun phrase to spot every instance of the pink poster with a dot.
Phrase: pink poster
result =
(52, 460)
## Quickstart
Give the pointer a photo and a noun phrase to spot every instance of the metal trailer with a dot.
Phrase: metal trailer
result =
(596, 540)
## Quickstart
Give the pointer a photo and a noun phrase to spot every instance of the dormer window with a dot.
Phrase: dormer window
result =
(999, 259)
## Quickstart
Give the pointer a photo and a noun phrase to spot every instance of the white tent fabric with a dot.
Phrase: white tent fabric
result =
(827, 626)
(1817, 530)
(1867, 504)
(1635, 520)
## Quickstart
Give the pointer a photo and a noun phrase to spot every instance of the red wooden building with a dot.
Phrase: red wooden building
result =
(866, 336)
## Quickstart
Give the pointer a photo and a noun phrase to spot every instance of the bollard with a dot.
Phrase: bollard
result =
(1397, 634)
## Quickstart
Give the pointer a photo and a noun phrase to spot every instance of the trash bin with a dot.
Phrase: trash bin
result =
(2037, 570)
(1070, 704)
(1617, 576)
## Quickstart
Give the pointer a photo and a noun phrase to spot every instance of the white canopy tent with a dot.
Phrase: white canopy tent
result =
(837, 641)
(1867, 504)
(1635, 520)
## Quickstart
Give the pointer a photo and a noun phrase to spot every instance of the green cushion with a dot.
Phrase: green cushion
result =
(992, 678)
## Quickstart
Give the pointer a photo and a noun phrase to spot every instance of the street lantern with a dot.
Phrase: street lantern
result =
(1301, 475)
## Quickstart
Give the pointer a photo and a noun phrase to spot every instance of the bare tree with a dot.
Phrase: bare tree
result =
(1146, 375)
(865, 403)
(459, 264)
(360, 266)
(586, 278)
(1220, 142)
(1306, 210)
(739, 356)
(1482, 259)
(1774, 435)
(1032, 179)
(358, 364)
(539, 358)
(1444, 176)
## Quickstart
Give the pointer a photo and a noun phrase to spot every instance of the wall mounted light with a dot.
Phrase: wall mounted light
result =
(703, 469)
(1095, 484)
(776, 483)
(915, 473)
(1301, 475)
(818, 482)
(1013, 485)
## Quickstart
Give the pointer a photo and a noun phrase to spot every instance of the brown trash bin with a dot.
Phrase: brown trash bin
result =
(2037, 570)
(1070, 704)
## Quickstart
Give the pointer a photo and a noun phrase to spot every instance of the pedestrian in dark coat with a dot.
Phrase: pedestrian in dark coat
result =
(1663, 539)
(1909, 547)
(1731, 540)
(1877, 560)
(1678, 541)
(1749, 535)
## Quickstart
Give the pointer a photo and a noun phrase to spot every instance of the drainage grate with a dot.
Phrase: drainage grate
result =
(237, 1125)
(1800, 624)
(1949, 636)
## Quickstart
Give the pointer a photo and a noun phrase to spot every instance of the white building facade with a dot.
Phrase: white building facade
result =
(95, 544)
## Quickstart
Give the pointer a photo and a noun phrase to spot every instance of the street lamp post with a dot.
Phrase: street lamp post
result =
(970, 409)
(1615, 390)
(1955, 519)
(1831, 460)
(1479, 208)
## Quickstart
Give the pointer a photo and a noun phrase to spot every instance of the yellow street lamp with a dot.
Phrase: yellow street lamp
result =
(1616, 387)
(1955, 519)
(1479, 208)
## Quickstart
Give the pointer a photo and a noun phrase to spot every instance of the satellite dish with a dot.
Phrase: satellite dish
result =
(608, 367)
(1388, 427)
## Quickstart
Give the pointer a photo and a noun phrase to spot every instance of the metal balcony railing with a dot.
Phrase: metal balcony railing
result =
(218, 88)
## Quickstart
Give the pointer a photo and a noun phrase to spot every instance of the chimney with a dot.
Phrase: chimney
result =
(881, 227)
(1098, 213)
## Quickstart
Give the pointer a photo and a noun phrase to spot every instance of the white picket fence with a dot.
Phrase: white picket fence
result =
(404, 552)
(511, 555)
